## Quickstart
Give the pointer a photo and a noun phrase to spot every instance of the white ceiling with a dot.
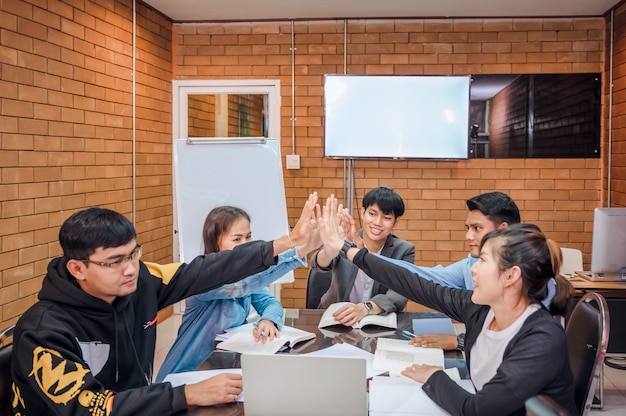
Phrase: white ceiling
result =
(267, 10)
(251, 10)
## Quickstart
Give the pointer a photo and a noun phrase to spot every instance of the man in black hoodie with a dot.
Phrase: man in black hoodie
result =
(87, 347)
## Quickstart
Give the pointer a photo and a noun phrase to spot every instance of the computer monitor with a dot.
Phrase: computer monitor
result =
(608, 249)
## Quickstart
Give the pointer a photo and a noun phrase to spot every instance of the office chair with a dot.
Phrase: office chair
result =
(315, 288)
(587, 332)
(572, 261)
(6, 381)
(542, 405)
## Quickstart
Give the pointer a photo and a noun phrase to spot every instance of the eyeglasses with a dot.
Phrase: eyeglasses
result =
(120, 263)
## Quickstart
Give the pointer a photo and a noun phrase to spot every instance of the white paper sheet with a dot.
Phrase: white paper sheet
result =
(347, 350)
(244, 343)
(403, 396)
(191, 377)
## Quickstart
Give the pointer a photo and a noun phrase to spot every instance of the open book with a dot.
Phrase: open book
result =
(242, 340)
(387, 321)
(395, 355)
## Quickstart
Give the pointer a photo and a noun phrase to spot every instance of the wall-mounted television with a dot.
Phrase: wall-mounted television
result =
(396, 117)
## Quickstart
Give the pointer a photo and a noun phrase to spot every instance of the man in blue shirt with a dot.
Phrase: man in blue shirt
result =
(487, 212)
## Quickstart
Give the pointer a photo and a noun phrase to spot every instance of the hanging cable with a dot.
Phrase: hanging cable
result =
(293, 90)
(610, 138)
(134, 121)
(348, 164)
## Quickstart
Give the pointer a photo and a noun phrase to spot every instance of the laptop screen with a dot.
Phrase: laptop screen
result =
(291, 384)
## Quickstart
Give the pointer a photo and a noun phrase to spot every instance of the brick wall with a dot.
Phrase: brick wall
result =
(557, 194)
(508, 124)
(66, 130)
(66, 122)
(548, 115)
(201, 115)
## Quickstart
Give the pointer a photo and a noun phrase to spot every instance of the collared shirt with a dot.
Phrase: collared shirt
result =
(363, 285)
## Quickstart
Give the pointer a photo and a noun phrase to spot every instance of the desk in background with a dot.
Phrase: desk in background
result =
(615, 295)
(307, 320)
(613, 289)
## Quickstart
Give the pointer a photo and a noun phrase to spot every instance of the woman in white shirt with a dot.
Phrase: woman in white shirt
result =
(515, 349)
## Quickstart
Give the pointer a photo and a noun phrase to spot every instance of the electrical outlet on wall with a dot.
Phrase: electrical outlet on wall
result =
(293, 161)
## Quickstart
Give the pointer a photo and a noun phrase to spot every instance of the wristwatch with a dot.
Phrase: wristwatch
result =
(460, 342)
(347, 244)
(369, 307)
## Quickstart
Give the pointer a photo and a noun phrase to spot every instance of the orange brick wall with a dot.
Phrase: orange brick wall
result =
(66, 122)
(199, 123)
(66, 129)
(556, 194)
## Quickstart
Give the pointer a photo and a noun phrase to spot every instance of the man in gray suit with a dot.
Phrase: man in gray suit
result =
(381, 208)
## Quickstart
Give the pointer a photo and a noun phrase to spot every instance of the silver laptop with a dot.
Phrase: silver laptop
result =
(603, 277)
(292, 384)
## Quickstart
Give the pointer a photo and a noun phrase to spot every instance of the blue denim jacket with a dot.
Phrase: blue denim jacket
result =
(210, 313)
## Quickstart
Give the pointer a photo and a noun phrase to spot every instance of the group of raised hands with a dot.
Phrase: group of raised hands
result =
(329, 225)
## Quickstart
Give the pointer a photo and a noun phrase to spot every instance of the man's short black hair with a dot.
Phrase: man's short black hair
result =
(388, 201)
(84, 231)
(497, 206)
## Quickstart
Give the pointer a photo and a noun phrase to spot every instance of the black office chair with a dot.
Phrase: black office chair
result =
(316, 286)
(6, 381)
(542, 405)
(587, 331)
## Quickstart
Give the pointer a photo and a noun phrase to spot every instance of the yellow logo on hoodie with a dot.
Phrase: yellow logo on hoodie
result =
(58, 378)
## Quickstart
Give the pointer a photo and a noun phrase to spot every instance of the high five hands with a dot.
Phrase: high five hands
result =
(331, 220)
(306, 235)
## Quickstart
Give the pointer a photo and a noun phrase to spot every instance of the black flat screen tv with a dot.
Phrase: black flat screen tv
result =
(396, 117)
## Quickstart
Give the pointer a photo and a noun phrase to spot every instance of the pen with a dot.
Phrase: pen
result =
(263, 334)
(408, 334)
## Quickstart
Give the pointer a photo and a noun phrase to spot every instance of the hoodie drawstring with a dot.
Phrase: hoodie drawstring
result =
(117, 371)
(145, 375)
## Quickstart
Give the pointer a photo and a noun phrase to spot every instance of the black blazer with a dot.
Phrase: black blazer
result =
(339, 277)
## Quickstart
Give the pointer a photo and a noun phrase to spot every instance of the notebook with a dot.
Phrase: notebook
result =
(433, 326)
(295, 384)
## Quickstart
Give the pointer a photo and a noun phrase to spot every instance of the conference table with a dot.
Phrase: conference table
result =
(307, 320)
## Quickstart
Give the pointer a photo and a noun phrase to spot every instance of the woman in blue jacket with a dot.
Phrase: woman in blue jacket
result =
(210, 313)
